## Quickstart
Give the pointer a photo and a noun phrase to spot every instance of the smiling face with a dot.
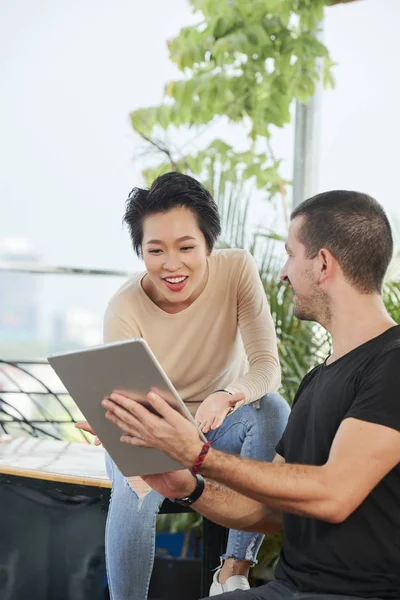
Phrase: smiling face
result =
(175, 255)
(302, 274)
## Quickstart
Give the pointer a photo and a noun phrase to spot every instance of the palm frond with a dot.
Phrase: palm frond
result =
(391, 298)
(301, 345)
(232, 196)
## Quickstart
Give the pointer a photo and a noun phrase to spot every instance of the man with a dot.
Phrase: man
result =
(335, 483)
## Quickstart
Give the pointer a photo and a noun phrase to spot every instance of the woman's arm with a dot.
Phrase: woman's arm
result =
(258, 333)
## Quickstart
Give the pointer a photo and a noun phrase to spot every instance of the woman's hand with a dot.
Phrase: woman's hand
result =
(84, 425)
(213, 410)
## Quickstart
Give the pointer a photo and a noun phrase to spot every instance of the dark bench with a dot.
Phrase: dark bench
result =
(24, 490)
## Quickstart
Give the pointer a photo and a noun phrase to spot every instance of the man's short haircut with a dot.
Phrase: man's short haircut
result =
(355, 229)
(167, 192)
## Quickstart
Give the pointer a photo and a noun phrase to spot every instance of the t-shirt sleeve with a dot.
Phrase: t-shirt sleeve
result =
(258, 334)
(378, 397)
(115, 328)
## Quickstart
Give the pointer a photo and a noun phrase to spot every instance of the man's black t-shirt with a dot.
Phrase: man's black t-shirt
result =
(361, 556)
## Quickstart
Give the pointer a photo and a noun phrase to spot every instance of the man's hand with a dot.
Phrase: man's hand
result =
(84, 425)
(167, 431)
(213, 410)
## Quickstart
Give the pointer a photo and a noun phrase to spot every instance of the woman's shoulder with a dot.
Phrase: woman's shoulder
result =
(126, 295)
(232, 261)
(230, 256)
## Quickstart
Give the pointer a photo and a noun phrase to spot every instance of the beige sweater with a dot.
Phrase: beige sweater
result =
(224, 339)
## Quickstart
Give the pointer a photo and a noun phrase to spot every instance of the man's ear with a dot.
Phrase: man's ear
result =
(326, 265)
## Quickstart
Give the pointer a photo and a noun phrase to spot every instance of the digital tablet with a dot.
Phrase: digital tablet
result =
(92, 374)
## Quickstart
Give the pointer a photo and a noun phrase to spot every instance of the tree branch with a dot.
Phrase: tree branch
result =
(162, 149)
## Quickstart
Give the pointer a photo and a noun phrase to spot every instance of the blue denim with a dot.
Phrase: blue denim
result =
(251, 431)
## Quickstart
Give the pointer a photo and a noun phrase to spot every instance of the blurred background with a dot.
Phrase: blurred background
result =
(71, 74)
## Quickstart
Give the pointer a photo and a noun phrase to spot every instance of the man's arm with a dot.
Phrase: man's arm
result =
(219, 503)
(244, 513)
(361, 455)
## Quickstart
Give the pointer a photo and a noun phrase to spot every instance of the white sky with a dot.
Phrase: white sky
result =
(72, 70)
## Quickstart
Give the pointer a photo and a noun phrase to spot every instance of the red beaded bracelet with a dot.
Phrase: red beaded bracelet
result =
(201, 457)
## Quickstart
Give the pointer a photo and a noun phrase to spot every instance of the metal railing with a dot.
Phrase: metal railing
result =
(33, 402)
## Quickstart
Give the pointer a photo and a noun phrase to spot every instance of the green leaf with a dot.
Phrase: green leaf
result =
(244, 63)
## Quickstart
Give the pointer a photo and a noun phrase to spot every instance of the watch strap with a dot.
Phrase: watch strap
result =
(195, 495)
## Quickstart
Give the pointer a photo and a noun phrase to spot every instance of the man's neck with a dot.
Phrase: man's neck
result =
(355, 321)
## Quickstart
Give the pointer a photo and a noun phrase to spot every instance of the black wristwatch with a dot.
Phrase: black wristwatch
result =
(195, 495)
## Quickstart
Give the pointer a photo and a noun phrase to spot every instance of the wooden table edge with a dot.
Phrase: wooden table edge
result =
(57, 477)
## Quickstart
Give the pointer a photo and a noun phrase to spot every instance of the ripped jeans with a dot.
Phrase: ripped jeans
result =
(251, 431)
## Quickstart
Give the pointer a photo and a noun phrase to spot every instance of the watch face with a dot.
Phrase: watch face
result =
(184, 501)
(195, 495)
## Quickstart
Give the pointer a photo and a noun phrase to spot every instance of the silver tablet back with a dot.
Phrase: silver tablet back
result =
(90, 375)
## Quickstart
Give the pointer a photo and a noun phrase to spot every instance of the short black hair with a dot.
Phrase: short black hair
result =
(169, 191)
(355, 229)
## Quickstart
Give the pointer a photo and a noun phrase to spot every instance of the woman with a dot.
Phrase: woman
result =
(206, 318)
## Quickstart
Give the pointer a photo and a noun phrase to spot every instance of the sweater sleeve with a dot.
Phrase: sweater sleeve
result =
(258, 334)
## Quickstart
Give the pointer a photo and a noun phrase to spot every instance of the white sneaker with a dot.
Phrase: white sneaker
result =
(217, 587)
(236, 582)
